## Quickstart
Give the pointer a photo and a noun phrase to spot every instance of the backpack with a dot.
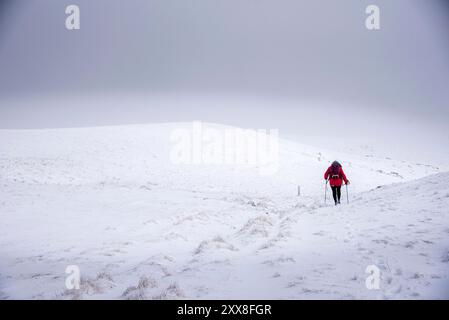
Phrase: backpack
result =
(335, 171)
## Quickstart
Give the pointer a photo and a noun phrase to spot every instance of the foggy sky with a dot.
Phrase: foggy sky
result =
(297, 48)
(313, 52)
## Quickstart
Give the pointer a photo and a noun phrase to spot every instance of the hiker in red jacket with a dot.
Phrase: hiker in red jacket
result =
(336, 176)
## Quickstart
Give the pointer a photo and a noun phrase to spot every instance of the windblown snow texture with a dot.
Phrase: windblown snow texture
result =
(139, 227)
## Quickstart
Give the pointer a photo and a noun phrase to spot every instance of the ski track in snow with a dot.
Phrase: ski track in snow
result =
(108, 200)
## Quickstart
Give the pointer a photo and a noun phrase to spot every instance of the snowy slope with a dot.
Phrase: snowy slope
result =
(109, 200)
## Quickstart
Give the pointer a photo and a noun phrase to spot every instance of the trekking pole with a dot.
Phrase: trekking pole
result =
(347, 196)
(325, 191)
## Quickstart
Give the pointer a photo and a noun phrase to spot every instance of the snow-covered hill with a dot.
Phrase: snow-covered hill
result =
(109, 200)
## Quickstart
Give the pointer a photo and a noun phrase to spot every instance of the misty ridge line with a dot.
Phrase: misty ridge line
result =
(311, 48)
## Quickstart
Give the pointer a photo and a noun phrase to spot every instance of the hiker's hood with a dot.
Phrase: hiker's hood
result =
(336, 164)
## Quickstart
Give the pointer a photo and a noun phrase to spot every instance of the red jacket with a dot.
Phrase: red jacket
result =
(335, 181)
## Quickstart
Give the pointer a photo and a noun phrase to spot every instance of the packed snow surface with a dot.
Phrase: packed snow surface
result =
(110, 201)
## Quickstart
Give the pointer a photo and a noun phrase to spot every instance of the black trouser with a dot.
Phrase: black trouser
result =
(336, 193)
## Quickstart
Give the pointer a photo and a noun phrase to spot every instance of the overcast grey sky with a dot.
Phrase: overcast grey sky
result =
(315, 54)
(305, 48)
